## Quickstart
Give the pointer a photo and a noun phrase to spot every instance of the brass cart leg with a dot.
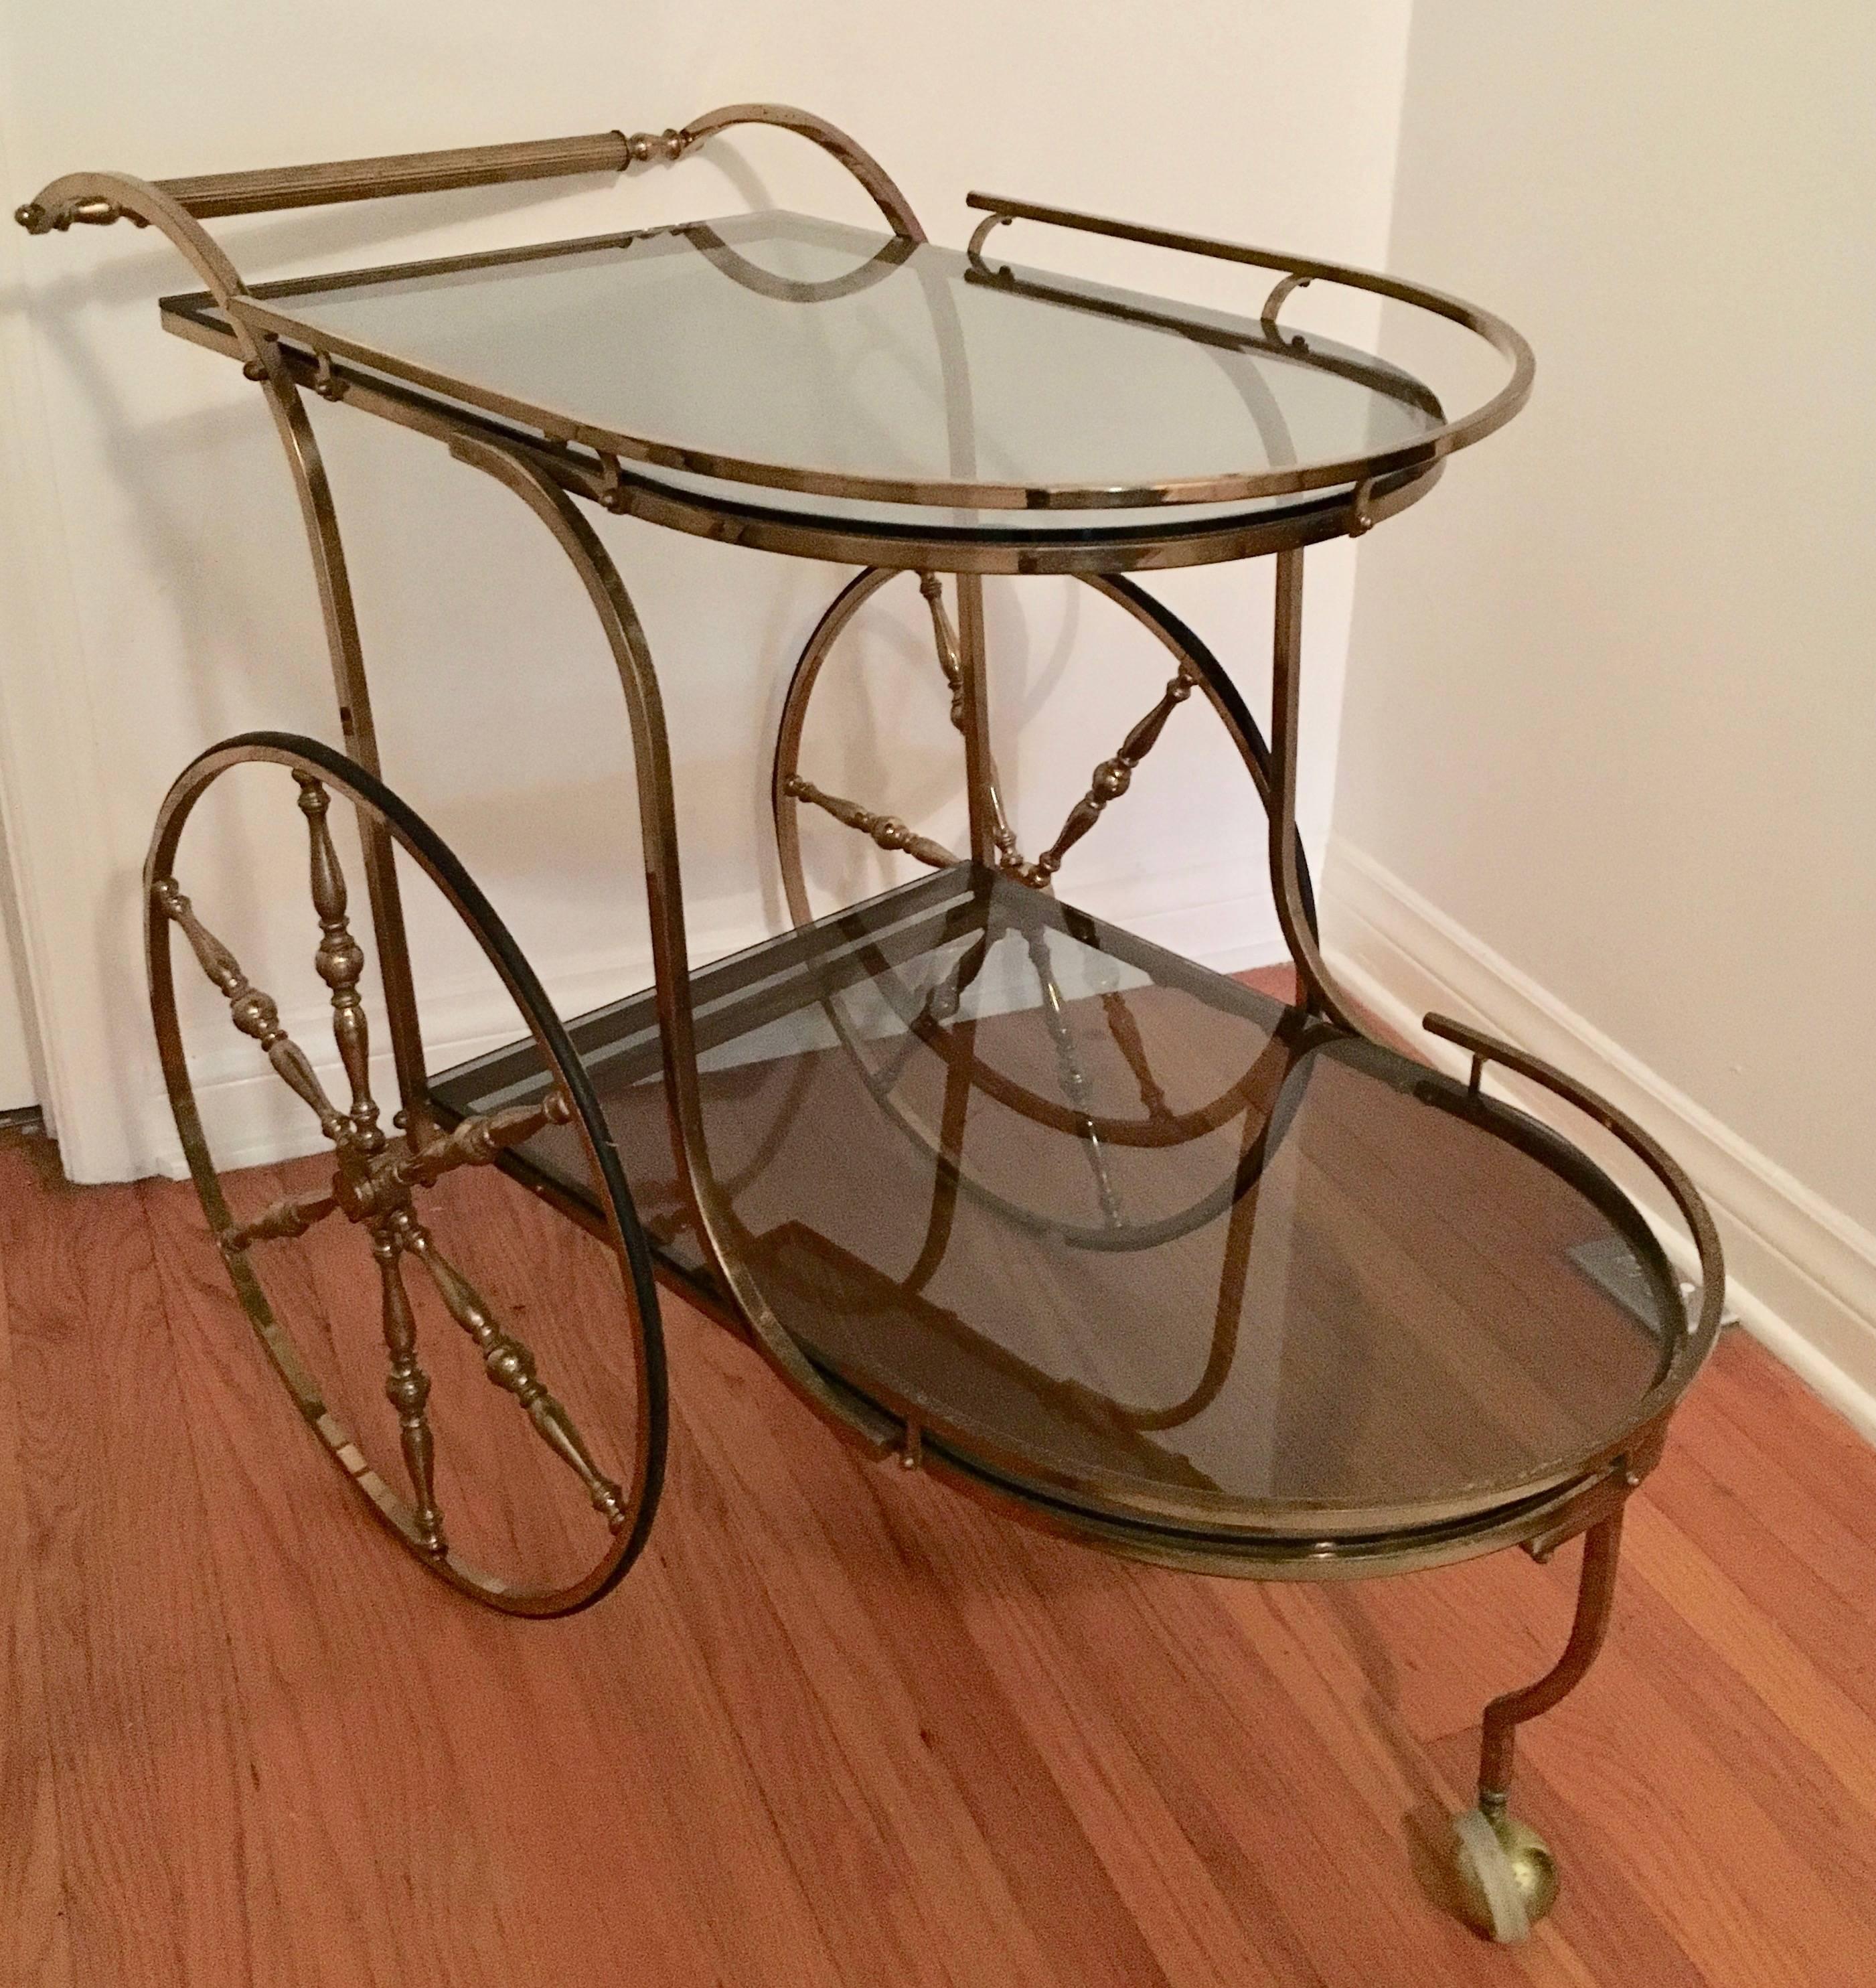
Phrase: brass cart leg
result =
(1507, 1874)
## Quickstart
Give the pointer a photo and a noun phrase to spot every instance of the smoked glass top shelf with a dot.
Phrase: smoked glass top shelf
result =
(1121, 1234)
(844, 372)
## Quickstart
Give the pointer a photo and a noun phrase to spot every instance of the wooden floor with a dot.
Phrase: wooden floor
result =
(841, 1727)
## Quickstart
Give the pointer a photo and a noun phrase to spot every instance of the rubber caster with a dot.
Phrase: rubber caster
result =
(1506, 1874)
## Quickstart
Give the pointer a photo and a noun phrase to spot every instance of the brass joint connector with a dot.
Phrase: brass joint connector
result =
(657, 148)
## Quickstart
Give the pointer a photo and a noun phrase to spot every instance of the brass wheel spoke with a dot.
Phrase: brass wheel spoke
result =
(292, 1215)
(1113, 777)
(407, 1387)
(510, 1365)
(341, 961)
(945, 637)
(478, 1139)
(951, 661)
(253, 1012)
(885, 830)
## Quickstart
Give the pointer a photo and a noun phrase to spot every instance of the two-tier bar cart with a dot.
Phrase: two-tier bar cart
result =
(1120, 1246)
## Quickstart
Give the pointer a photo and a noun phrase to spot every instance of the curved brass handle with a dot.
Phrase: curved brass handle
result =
(209, 196)
(856, 159)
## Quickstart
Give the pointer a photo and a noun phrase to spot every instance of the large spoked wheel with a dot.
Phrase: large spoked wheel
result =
(1074, 1109)
(384, 1184)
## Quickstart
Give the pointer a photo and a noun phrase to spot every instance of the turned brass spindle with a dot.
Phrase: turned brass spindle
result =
(511, 1366)
(1072, 1078)
(946, 638)
(1112, 777)
(1001, 835)
(407, 1389)
(292, 1215)
(883, 829)
(252, 1012)
(341, 961)
(1125, 1030)
(476, 1141)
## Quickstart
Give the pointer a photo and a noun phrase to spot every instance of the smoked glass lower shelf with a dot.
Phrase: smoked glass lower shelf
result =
(1123, 1234)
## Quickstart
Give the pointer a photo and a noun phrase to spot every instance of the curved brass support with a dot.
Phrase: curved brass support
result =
(1602, 1546)
(98, 199)
(102, 197)
(1280, 293)
(856, 159)
(1192, 655)
(840, 610)
(1293, 909)
(1224, 696)
(717, 1226)
(982, 233)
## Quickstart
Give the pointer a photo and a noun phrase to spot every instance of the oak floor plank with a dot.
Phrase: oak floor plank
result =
(1156, 1867)
(144, 1724)
(1061, 1899)
(1816, 1794)
(1785, 1502)
(35, 1942)
(941, 1892)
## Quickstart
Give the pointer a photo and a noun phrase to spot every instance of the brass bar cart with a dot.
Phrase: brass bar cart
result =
(1106, 1239)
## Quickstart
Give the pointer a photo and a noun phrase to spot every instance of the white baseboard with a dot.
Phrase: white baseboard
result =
(1802, 1274)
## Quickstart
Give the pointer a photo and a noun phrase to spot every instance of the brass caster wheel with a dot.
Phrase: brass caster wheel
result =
(522, 1456)
(1506, 1873)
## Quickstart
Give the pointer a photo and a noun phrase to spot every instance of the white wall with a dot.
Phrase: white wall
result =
(158, 597)
(1609, 765)
(19, 1084)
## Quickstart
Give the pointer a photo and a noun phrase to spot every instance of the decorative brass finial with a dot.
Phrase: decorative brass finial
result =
(659, 148)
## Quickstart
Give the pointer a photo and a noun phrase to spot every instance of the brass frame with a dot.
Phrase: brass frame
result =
(547, 462)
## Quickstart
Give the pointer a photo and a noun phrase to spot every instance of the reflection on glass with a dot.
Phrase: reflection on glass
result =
(1113, 1227)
